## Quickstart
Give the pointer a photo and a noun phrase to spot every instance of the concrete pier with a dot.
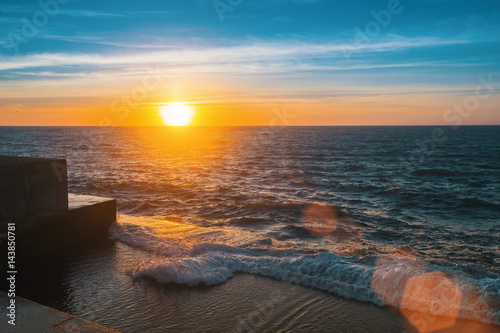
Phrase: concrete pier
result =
(38, 216)
(34, 196)
(32, 190)
(31, 317)
(89, 216)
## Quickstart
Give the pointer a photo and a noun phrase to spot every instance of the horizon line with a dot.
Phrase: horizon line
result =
(402, 125)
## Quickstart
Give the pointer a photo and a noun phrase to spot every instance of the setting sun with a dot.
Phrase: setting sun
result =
(177, 114)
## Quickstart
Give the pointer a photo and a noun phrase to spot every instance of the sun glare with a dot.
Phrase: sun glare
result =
(177, 114)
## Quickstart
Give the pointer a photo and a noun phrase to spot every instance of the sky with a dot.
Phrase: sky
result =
(250, 62)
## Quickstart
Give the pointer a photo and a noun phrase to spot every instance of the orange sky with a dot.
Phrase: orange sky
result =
(238, 110)
(224, 100)
(96, 63)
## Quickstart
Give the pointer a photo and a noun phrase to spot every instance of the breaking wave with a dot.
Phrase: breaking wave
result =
(398, 280)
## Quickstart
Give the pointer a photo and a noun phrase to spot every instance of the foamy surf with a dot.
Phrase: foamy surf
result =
(191, 255)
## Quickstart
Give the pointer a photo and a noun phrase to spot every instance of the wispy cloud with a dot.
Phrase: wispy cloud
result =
(279, 54)
(152, 42)
(26, 10)
(136, 14)
(87, 13)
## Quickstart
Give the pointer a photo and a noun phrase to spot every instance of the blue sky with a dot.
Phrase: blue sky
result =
(267, 53)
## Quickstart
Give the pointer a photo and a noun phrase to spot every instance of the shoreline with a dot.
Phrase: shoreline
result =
(42, 318)
(95, 283)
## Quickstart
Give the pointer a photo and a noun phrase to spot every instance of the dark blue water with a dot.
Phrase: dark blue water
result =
(324, 206)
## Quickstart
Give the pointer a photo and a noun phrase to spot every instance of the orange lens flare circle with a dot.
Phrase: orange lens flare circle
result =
(320, 220)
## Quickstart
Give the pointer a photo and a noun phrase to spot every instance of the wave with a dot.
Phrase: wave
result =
(474, 202)
(434, 172)
(266, 205)
(400, 281)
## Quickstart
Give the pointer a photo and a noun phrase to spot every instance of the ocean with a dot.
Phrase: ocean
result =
(402, 217)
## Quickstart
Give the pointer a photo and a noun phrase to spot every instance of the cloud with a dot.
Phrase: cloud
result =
(15, 10)
(97, 14)
(260, 53)
(306, 1)
(87, 13)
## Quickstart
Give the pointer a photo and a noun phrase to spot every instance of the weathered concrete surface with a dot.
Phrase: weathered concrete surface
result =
(34, 196)
(32, 317)
(90, 217)
(32, 190)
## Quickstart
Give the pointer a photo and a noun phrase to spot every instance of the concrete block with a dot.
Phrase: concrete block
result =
(34, 196)
(31, 190)
(89, 216)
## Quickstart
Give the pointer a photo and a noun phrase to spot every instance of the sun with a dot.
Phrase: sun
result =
(177, 114)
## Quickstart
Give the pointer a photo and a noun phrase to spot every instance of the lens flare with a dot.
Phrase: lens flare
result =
(320, 219)
(435, 299)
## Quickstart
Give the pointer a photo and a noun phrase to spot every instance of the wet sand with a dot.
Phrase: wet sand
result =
(95, 283)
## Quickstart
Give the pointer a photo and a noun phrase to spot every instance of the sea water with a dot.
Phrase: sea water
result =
(401, 216)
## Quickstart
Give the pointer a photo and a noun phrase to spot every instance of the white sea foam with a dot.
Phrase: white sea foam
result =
(398, 280)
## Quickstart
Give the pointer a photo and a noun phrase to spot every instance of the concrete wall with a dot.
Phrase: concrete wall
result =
(90, 217)
(34, 195)
(32, 190)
